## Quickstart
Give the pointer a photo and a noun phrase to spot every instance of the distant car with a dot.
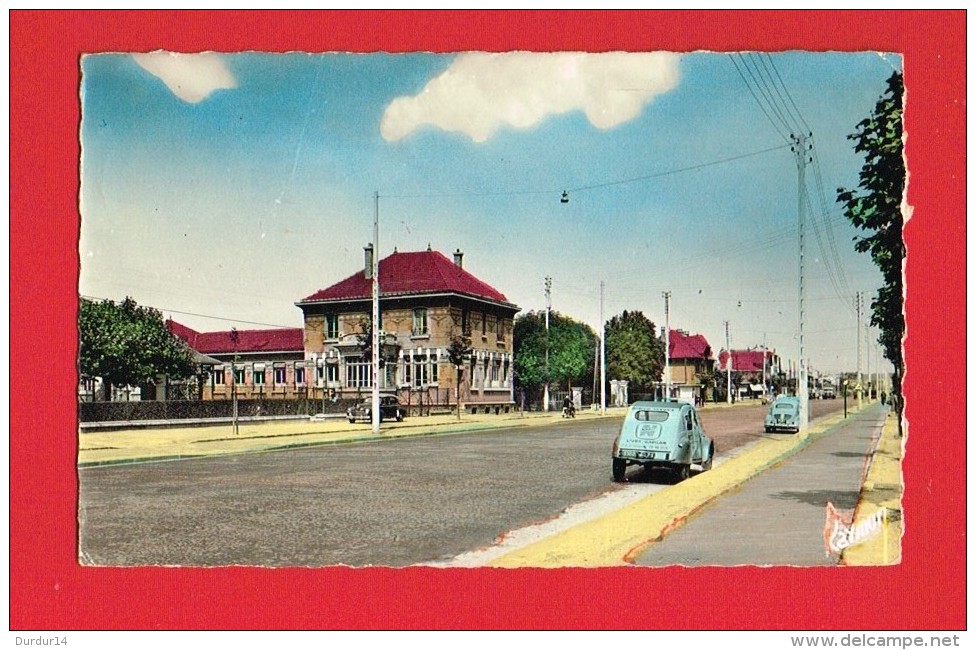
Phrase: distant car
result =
(784, 415)
(828, 393)
(664, 435)
(390, 409)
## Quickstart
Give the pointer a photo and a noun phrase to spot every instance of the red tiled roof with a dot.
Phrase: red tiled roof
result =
(411, 273)
(745, 360)
(682, 345)
(273, 340)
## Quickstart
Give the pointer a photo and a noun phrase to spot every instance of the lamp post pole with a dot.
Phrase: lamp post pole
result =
(233, 378)
(321, 364)
(545, 389)
(667, 345)
(728, 367)
(603, 357)
(376, 315)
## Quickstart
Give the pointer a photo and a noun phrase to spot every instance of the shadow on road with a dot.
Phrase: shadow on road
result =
(840, 498)
(657, 475)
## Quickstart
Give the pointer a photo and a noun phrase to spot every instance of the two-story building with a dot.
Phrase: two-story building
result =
(689, 357)
(425, 301)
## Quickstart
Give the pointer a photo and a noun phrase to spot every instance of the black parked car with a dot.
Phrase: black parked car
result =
(390, 409)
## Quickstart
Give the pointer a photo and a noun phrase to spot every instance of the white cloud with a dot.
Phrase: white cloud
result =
(191, 77)
(481, 92)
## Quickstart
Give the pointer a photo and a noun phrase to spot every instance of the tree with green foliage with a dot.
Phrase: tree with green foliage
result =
(458, 352)
(128, 345)
(634, 351)
(875, 207)
(570, 345)
(529, 350)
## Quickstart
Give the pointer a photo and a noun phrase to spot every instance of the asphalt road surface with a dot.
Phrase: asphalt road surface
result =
(386, 503)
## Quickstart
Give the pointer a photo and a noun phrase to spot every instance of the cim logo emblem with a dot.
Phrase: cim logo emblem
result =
(648, 431)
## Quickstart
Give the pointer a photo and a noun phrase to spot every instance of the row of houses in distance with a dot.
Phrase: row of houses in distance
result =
(427, 300)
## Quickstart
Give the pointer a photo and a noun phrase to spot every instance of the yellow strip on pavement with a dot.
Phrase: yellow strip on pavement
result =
(618, 538)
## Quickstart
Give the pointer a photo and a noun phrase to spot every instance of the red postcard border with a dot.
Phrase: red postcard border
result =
(49, 590)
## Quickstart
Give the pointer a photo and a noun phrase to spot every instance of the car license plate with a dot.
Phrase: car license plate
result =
(645, 454)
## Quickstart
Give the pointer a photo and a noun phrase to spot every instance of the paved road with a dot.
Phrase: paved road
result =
(777, 518)
(390, 502)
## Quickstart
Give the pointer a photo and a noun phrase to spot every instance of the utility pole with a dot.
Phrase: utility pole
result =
(867, 356)
(764, 365)
(800, 148)
(603, 357)
(728, 367)
(376, 314)
(667, 345)
(857, 337)
(596, 359)
(233, 377)
(545, 389)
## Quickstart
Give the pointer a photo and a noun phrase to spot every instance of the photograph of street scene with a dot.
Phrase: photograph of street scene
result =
(491, 309)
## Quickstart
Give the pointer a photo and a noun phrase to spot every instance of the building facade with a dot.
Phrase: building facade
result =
(756, 368)
(256, 364)
(689, 357)
(426, 301)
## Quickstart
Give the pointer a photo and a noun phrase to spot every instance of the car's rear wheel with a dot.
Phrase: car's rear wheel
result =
(352, 420)
(619, 469)
(707, 465)
(682, 472)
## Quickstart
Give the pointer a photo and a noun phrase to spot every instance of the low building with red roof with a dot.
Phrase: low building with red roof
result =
(755, 368)
(268, 363)
(426, 301)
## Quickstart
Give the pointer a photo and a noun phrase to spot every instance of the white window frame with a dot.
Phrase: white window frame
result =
(331, 326)
(284, 375)
(420, 322)
(358, 373)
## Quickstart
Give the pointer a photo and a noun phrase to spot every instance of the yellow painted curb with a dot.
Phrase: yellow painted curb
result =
(883, 488)
(618, 538)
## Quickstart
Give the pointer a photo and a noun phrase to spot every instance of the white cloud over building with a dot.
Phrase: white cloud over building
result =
(482, 92)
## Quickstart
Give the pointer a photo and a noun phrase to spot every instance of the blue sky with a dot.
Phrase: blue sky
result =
(223, 188)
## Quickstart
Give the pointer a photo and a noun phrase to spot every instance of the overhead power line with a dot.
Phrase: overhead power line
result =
(583, 188)
(208, 316)
(679, 170)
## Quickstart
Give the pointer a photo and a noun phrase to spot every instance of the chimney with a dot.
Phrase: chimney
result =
(369, 261)
(458, 258)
